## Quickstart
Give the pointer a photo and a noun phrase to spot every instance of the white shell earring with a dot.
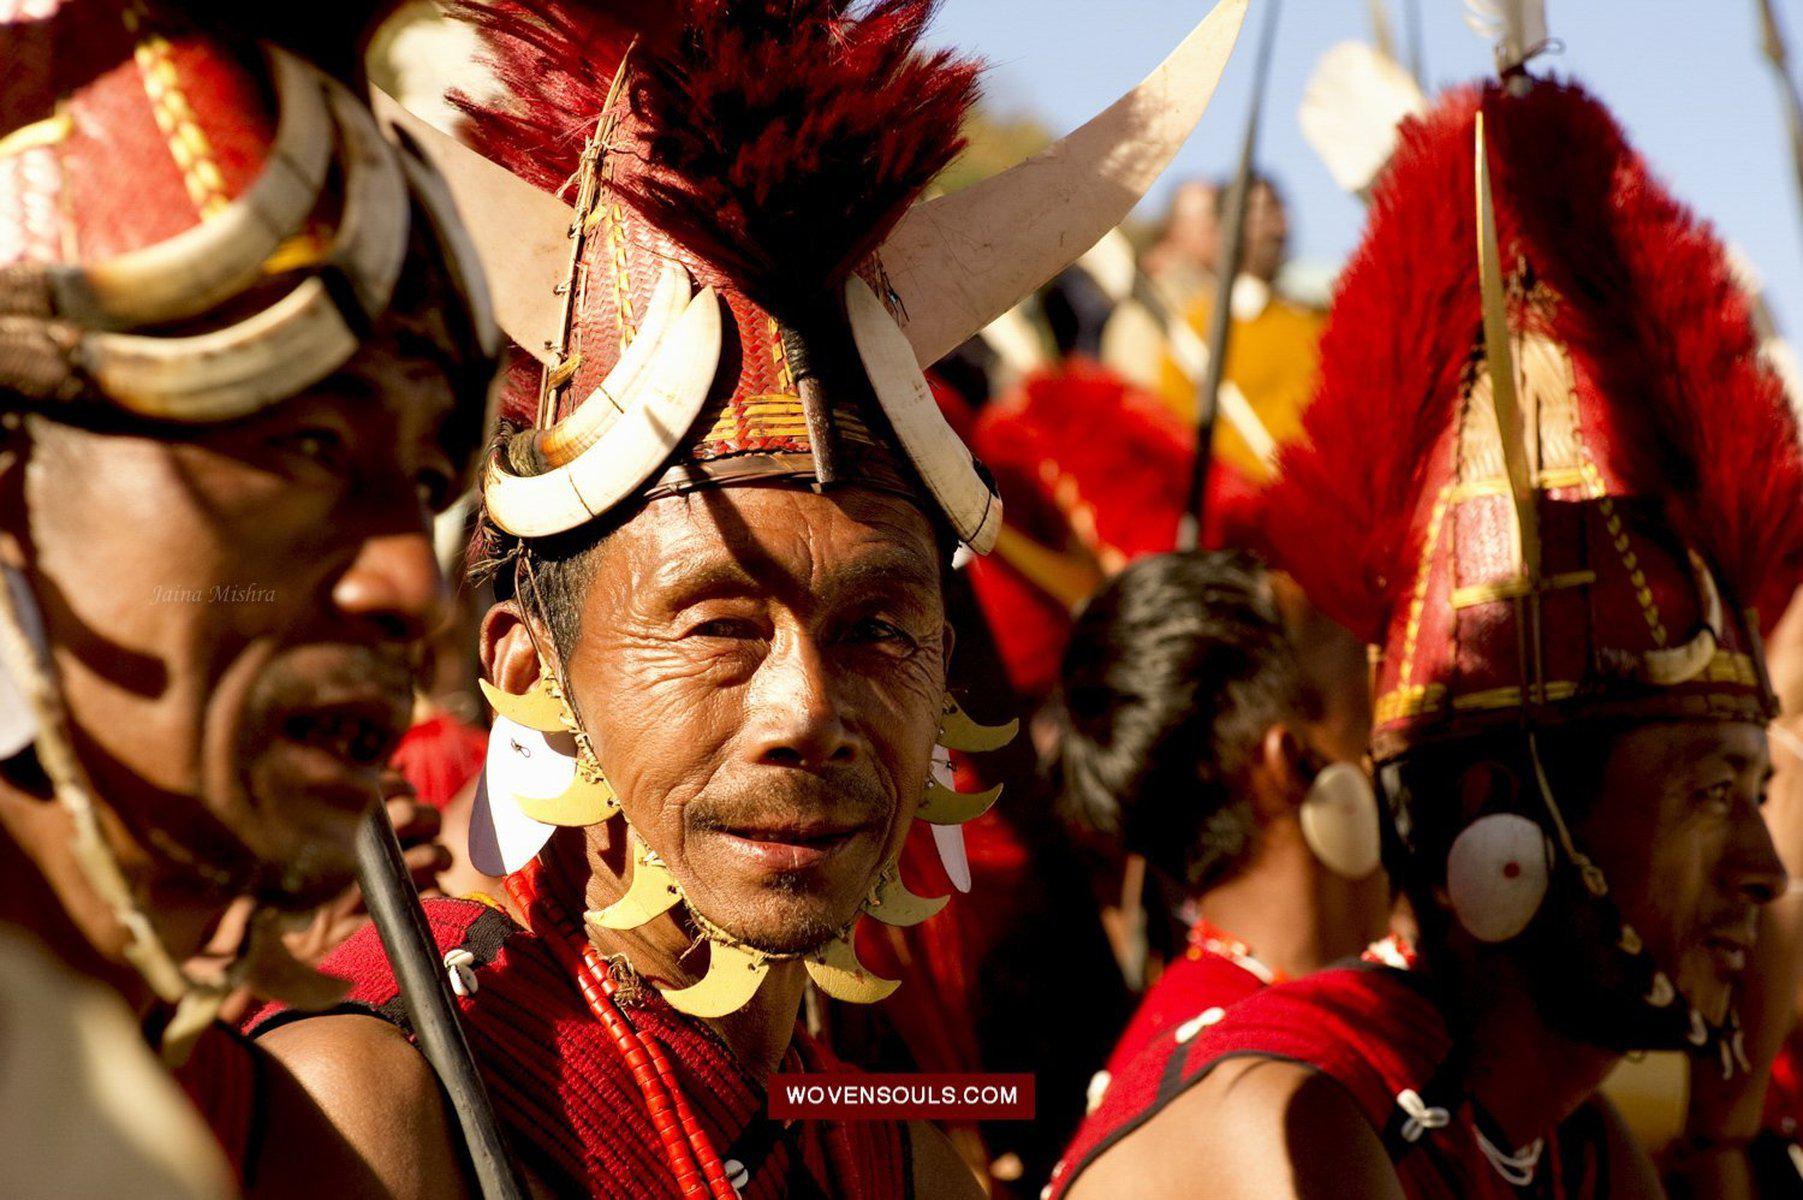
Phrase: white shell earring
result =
(1339, 821)
(1497, 875)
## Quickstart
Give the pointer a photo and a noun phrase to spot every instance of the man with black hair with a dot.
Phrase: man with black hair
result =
(1548, 475)
(1214, 720)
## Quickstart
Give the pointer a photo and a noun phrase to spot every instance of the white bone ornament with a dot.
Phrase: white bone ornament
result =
(1496, 875)
(944, 463)
(520, 761)
(948, 840)
(1339, 821)
(656, 413)
(957, 262)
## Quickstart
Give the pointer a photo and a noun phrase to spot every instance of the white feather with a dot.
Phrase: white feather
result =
(1354, 101)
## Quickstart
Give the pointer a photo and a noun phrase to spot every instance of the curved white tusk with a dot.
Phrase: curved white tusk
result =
(1681, 664)
(944, 462)
(958, 262)
(521, 234)
(202, 266)
(295, 342)
(658, 412)
(563, 442)
(289, 346)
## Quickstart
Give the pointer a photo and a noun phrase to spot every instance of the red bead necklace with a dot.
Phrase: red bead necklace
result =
(689, 1150)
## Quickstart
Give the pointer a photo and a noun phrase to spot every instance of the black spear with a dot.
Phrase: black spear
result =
(394, 905)
(1220, 320)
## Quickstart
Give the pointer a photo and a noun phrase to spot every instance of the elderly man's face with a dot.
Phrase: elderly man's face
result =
(233, 613)
(761, 670)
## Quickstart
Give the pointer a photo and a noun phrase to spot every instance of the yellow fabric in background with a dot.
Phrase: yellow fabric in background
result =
(1273, 358)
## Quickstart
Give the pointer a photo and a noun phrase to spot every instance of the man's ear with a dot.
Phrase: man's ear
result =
(509, 657)
(1279, 774)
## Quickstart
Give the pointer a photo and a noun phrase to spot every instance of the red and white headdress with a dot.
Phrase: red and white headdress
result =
(744, 290)
(1604, 538)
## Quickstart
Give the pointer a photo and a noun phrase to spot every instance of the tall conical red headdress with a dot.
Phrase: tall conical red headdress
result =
(1665, 461)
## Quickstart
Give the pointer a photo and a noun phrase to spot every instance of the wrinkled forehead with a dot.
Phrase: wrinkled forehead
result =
(782, 540)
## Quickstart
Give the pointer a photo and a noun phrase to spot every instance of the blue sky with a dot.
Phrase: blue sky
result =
(1685, 78)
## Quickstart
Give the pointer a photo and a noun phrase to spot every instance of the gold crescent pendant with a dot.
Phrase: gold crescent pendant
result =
(958, 732)
(835, 969)
(943, 806)
(654, 892)
(589, 800)
(733, 977)
(893, 904)
(540, 707)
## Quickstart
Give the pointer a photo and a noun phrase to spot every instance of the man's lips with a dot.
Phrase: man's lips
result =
(342, 745)
(788, 846)
(1729, 952)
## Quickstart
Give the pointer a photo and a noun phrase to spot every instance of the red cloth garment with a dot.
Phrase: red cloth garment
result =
(438, 756)
(1375, 1031)
(221, 1079)
(1202, 981)
(572, 1111)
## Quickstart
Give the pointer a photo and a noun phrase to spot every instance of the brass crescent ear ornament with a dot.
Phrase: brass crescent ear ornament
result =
(735, 969)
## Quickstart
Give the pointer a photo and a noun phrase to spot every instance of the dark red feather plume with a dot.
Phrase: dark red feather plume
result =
(555, 61)
(785, 138)
(1648, 307)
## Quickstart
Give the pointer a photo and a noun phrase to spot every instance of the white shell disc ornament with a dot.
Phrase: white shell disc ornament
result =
(1497, 874)
(1339, 821)
(521, 762)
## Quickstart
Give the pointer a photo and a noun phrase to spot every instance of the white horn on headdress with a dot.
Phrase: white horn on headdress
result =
(298, 340)
(521, 233)
(958, 262)
(189, 273)
(654, 415)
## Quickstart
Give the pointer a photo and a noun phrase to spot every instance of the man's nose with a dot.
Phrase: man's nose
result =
(798, 719)
(1756, 870)
(394, 588)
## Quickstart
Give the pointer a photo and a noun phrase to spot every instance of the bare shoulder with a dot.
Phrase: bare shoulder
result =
(1254, 1129)
(939, 1171)
(360, 1080)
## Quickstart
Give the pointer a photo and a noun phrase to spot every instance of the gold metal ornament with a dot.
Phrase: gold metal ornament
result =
(835, 969)
(958, 732)
(652, 893)
(893, 904)
(734, 974)
(944, 806)
(589, 800)
(540, 707)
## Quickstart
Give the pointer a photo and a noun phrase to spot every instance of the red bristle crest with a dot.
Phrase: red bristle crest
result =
(1404, 319)
(555, 61)
(1652, 309)
(784, 138)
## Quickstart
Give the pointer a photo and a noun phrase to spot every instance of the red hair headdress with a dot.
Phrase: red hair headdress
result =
(1662, 473)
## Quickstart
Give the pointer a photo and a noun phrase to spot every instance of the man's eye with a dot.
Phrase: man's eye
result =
(873, 630)
(736, 628)
(435, 490)
(326, 447)
(1717, 798)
